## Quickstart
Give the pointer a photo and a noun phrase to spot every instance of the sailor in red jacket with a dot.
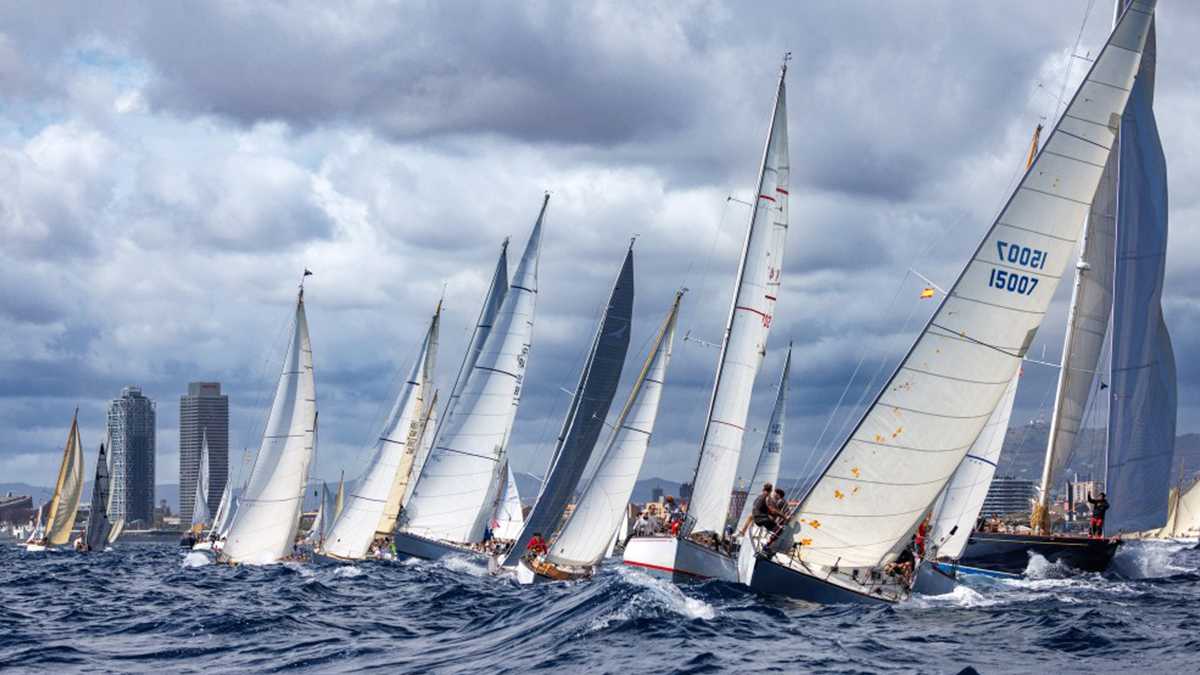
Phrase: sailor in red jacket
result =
(537, 545)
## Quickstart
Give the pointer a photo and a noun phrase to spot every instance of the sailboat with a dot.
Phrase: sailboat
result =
(600, 513)
(1183, 516)
(264, 528)
(848, 539)
(698, 551)
(374, 504)
(1118, 283)
(60, 517)
(98, 527)
(585, 416)
(200, 513)
(450, 504)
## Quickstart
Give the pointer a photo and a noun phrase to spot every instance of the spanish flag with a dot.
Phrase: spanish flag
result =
(927, 293)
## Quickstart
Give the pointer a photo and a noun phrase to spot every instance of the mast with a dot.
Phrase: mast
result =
(746, 330)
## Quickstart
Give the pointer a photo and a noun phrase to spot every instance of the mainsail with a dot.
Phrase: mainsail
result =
(1142, 400)
(771, 455)
(456, 484)
(65, 502)
(746, 331)
(879, 485)
(264, 528)
(374, 503)
(958, 508)
(585, 417)
(586, 535)
(427, 435)
(200, 513)
(509, 516)
(98, 527)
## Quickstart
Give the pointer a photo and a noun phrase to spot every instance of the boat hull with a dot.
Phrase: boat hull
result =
(679, 559)
(414, 546)
(935, 579)
(772, 578)
(1010, 553)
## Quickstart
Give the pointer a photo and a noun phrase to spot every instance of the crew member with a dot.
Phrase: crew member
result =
(1099, 508)
(764, 516)
(537, 545)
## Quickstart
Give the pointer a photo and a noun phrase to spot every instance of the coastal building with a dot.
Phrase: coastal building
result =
(132, 433)
(1009, 495)
(203, 414)
(1077, 506)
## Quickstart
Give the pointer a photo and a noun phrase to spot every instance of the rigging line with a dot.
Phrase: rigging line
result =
(1070, 61)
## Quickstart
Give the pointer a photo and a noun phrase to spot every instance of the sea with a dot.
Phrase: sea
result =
(154, 609)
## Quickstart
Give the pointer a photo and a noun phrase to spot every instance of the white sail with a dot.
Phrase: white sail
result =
(746, 332)
(771, 455)
(958, 508)
(264, 528)
(509, 516)
(60, 519)
(221, 519)
(365, 509)
(427, 436)
(117, 522)
(880, 484)
(585, 537)
(200, 514)
(456, 484)
(1184, 518)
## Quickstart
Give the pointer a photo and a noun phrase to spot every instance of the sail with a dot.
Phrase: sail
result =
(98, 527)
(509, 516)
(746, 332)
(585, 536)
(880, 484)
(1185, 513)
(224, 510)
(1087, 325)
(65, 502)
(366, 510)
(340, 500)
(200, 514)
(1143, 395)
(263, 529)
(492, 302)
(771, 455)
(427, 435)
(456, 484)
(404, 471)
(958, 508)
(116, 524)
(585, 418)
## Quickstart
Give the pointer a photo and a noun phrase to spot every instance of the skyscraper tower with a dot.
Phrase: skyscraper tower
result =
(203, 413)
(132, 432)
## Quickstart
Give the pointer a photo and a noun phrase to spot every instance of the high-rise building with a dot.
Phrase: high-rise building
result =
(203, 413)
(1008, 495)
(132, 432)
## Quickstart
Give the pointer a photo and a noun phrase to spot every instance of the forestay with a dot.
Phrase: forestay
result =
(456, 483)
(746, 332)
(586, 415)
(366, 510)
(766, 470)
(67, 489)
(586, 535)
(958, 508)
(264, 528)
(1143, 398)
(880, 484)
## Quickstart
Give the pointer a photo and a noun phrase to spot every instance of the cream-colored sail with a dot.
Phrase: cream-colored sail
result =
(67, 489)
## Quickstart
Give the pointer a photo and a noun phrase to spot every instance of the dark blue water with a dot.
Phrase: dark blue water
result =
(145, 608)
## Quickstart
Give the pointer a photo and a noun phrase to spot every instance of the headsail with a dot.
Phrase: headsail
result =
(98, 527)
(457, 482)
(771, 455)
(586, 415)
(746, 332)
(375, 501)
(585, 537)
(264, 528)
(65, 502)
(200, 513)
(224, 510)
(880, 484)
(509, 515)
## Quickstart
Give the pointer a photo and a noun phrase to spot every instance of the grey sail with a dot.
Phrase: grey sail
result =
(585, 418)
(1142, 394)
(98, 526)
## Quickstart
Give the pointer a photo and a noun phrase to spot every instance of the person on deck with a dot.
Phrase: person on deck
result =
(537, 545)
(674, 514)
(778, 506)
(763, 515)
(1099, 508)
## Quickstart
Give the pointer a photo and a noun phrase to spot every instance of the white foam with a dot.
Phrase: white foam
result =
(961, 596)
(460, 564)
(1149, 559)
(196, 559)
(668, 595)
(347, 572)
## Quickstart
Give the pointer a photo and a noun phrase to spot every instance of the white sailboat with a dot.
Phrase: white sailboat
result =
(374, 504)
(451, 502)
(200, 513)
(264, 528)
(858, 518)
(60, 516)
(697, 552)
(600, 513)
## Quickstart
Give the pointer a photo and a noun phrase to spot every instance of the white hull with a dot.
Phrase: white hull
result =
(679, 559)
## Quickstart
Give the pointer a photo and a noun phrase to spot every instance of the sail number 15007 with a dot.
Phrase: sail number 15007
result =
(1020, 255)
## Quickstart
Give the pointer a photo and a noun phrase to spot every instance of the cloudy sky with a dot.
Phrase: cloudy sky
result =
(168, 170)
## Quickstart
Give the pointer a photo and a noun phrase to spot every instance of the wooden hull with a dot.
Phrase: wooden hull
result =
(1010, 553)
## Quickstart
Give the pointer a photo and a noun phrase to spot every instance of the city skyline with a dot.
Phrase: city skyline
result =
(203, 418)
(132, 426)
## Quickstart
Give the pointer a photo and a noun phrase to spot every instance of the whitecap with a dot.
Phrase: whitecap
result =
(196, 559)
(668, 595)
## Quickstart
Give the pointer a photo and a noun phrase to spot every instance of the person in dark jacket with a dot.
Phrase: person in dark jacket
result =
(1099, 508)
